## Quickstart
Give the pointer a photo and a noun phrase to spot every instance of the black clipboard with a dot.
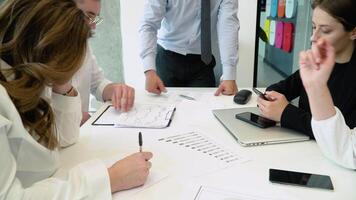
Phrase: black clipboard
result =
(94, 122)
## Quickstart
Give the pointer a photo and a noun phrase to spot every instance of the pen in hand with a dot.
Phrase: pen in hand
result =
(140, 140)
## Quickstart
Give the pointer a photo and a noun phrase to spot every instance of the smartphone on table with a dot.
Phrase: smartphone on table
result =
(260, 94)
(300, 179)
(255, 120)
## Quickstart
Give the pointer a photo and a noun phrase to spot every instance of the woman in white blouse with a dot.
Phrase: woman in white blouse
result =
(42, 45)
(336, 140)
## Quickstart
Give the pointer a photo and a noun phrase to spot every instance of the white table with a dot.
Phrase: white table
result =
(103, 142)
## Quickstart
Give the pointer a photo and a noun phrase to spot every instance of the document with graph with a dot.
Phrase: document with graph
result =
(140, 116)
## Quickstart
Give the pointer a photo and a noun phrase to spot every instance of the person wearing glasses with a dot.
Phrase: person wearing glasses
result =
(176, 43)
(334, 21)
(90, 78)
(42, 45)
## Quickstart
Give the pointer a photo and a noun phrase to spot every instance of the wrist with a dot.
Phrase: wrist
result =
(316, 89)
(314, 84)
(62, 89)
(150, 72)
(107, 92)
(282, 111)
(112, 180)
(67, 90)
(72, 92)
(115, 183)
(228, 81)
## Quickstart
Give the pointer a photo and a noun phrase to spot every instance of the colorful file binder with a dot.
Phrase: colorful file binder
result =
(279, 35)
(281, 8)
(272, 32)
(268, 8)
(288, 36)
(291, 8)
(267, 28)
(274, 8)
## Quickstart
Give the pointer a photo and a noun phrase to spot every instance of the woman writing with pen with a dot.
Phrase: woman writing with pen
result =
(42, 45)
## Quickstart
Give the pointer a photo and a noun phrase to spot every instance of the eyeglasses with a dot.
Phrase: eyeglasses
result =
(94, 19)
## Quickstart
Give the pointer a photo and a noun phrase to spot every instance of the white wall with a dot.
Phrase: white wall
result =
(107, 45)
(131, 12)
(247, 15)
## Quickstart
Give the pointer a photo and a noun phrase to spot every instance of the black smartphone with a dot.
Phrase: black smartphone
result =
(256, 120)
(300, 179)
(260, 94)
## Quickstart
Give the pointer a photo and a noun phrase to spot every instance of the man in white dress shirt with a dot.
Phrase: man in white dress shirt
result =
(90, 78)
(176, 43)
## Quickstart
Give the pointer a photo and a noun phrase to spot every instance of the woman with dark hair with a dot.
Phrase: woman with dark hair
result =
(42, 45)
(334, 21)
(334, 137)
(336, 140)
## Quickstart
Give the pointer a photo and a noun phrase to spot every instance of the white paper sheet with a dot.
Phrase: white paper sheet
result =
(210, 193)
(140, 116)
(154, 178)
(196, 154)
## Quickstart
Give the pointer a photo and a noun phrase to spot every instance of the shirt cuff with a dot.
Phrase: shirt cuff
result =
(336, 140)
(149, 62)
(229, 73)
(100, 90)
(66, 103)
(97, 179)
(288, 115)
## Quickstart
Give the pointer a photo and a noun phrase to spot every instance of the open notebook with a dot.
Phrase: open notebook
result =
(140, 116)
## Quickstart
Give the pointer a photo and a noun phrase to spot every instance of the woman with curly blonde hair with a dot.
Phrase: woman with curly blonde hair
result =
(42, 45)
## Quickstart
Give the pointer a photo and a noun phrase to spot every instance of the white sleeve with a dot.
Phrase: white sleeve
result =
(336, 140)
(98, 80)
(153, 14)
(68, 115)
(228, 30)
(86, 181)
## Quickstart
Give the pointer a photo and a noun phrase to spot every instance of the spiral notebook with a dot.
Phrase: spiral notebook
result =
(140, 116)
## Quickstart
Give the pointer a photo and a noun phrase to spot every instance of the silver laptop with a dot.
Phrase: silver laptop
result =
(250, 135)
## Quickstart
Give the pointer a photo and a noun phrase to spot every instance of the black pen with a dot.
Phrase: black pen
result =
(140, 140)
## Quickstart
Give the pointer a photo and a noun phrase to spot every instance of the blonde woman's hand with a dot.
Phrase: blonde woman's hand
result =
(130, 172)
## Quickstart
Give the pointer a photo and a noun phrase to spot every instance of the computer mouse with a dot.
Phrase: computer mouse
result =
(242, 96)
